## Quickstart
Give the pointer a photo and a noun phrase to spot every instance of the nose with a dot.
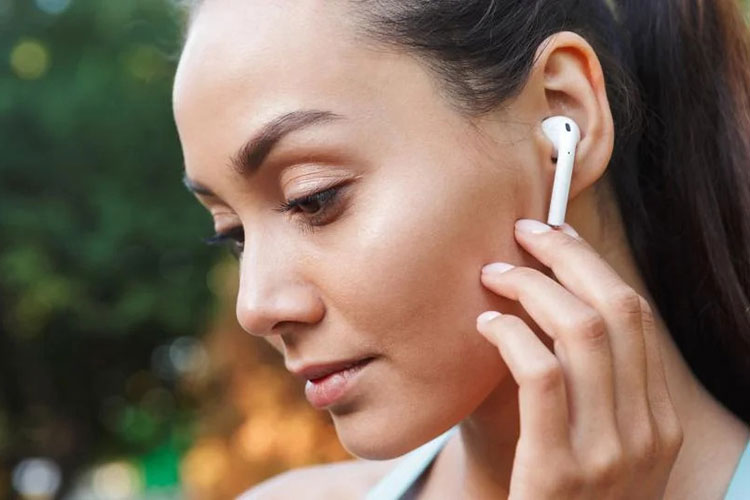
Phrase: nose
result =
(272, 291)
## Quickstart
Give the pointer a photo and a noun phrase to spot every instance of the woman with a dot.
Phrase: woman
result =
(366, 159)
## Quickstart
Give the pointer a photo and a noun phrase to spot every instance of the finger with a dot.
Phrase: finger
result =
(542, 400)
(580, 269)
(581, 333)
(665, 418)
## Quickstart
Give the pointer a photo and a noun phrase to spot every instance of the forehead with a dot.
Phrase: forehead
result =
(270, 35)
(246, 45)
(245, 62)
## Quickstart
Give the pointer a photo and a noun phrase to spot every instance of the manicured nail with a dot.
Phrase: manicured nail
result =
(497, 267)
(487, 316)
(532, 226)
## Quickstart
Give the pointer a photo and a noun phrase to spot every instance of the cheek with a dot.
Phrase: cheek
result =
(414, 255)
(411, 289)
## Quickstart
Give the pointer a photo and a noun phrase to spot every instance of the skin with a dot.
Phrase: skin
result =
(395, 270)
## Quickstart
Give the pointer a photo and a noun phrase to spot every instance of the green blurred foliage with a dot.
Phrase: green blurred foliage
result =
(100, 252)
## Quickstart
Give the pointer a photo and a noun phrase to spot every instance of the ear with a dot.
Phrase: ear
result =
(567, 79)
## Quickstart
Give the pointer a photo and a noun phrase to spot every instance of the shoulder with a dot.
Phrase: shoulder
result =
(338, 480)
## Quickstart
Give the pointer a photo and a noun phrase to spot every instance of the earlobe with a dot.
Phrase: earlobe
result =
(572, 82)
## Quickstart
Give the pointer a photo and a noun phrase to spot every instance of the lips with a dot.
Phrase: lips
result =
(314, 371)
(335, 387)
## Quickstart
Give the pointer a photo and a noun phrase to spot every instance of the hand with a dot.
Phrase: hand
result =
(596, 419)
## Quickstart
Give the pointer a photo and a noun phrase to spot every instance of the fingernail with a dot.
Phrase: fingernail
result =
(487, 316)
(497, 267)
(567, 229)
(532, 226)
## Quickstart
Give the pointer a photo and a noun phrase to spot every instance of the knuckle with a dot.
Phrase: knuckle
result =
(668, 427)
(606, 464)
(647, 315)
(588, 326)
(672, 437)
(645, 307)
(646, 446)
(571, 481)
(544, 376)
(626, 301)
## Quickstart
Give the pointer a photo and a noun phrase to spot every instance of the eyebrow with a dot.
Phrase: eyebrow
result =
(251, 156)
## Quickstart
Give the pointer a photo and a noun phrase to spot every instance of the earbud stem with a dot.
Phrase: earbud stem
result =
(561, 186)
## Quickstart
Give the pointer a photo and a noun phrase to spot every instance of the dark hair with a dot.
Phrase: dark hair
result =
(677, 76)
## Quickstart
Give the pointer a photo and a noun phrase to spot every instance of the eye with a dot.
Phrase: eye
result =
(234, 237)
(316, 207)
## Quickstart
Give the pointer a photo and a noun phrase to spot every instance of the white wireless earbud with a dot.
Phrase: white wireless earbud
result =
(564, 134)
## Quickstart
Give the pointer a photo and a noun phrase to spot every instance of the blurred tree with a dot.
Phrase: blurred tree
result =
(100, 254)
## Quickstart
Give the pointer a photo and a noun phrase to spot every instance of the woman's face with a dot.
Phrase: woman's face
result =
(391, 266)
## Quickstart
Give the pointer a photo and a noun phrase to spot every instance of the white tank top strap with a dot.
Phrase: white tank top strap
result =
(396, 482)
(406, 472)
(739, 486)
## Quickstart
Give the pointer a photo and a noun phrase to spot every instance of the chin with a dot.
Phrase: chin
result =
(374, 447)
(382, 437)
(364, 439)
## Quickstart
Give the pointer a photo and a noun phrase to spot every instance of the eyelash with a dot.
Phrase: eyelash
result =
(326, 199)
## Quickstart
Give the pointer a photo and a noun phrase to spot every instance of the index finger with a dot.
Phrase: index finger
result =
(584, 272)
(575, 263)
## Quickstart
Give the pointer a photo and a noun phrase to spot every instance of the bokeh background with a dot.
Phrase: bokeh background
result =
(123, 373)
